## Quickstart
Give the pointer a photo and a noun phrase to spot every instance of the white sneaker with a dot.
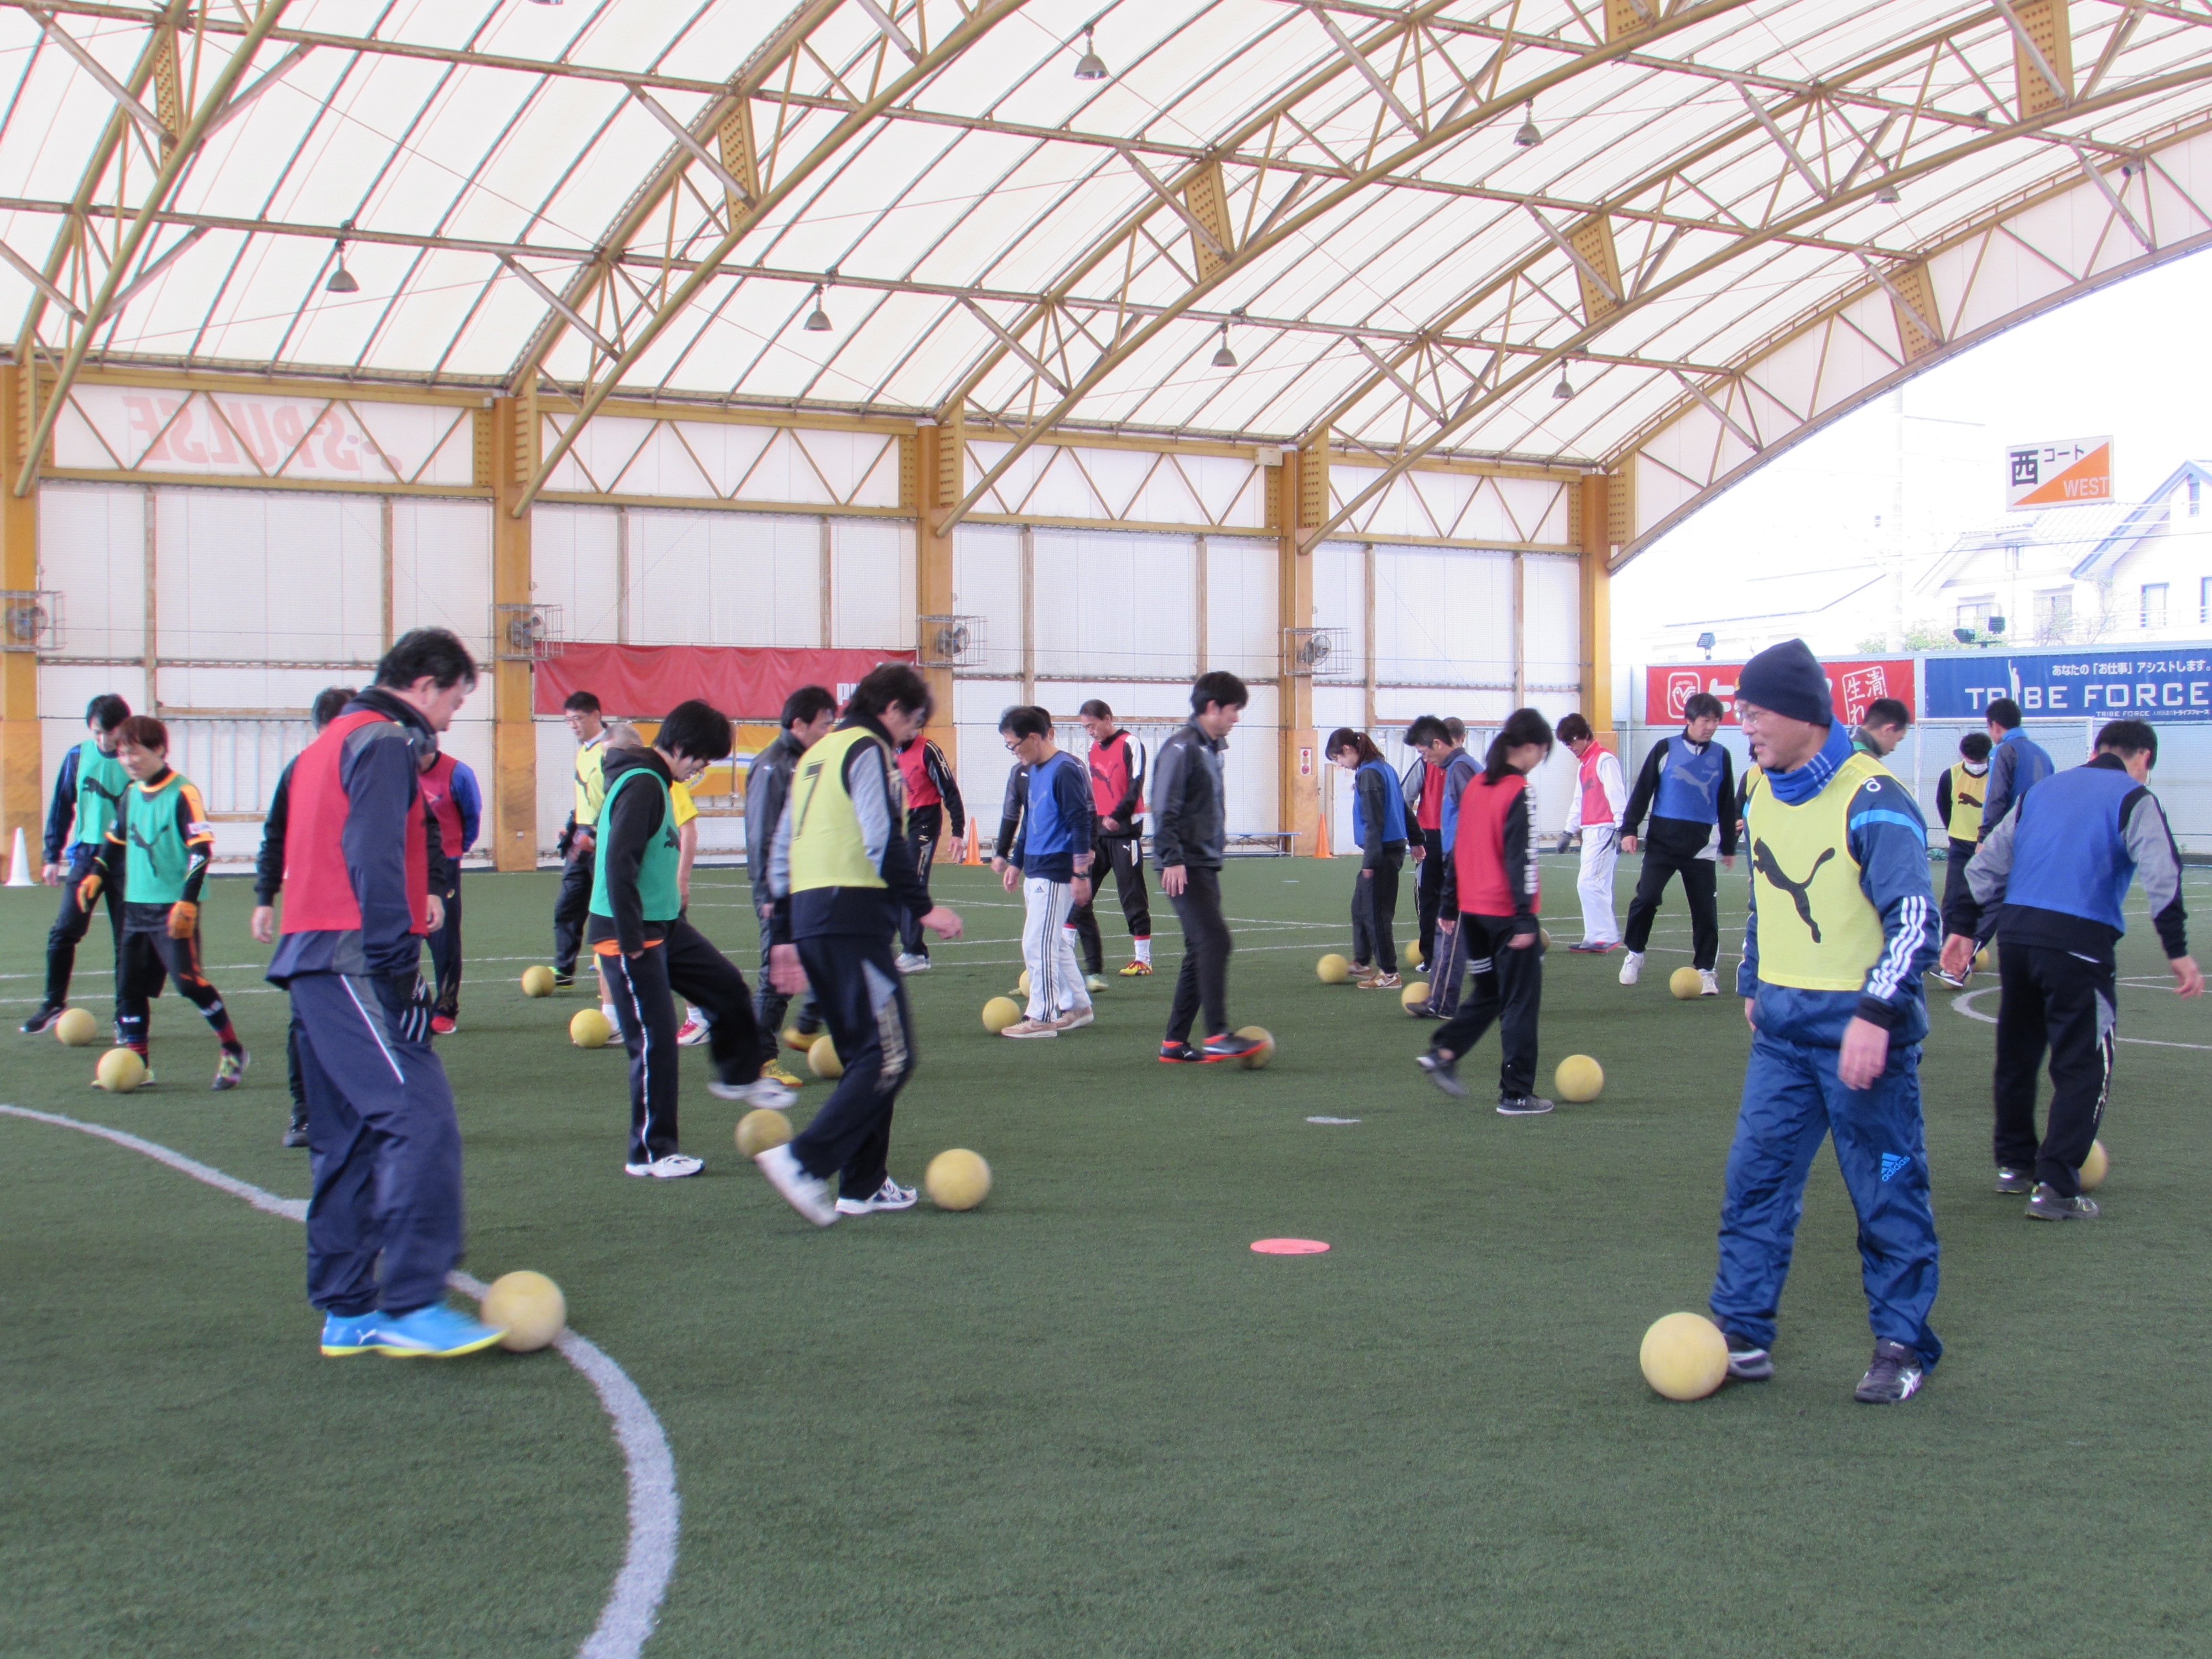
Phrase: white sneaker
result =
(1032, 1028)
(1094, 983)
(674, 1167)
(907, 964)
(693, 1031)
(808, 1194)
(888, 1196)
(762, 1091)
(1707, 985)
(1075, 1021)
(1632, 967)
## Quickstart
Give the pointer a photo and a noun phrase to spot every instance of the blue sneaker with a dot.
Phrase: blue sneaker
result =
(436, 1332)
(345, 1334)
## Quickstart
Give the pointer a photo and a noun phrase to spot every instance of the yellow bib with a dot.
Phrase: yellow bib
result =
(1817, 931)
(826, 847)
(591, 781)
(1967, 794)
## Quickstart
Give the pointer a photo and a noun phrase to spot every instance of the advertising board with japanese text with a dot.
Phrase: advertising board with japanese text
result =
(2163, 684)
(1854, 684)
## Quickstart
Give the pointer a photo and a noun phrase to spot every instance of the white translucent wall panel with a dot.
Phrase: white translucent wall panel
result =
(1250, 769)
(64, 690)
(1163, 703)
(1552, 592)
(1113, 603)
(983, 763)
(276, 689)
(1242, 629)
(556, 783)
(1339, 598)
(1443, 617)
(441, 569)
(1551, 786)
(257, 575)
(1334, 705)
(91, 551)
(871, 585)
(576, 563)
(725, 579)
(986, 582)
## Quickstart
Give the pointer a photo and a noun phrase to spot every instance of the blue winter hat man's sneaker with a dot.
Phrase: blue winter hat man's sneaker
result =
(1787, 679)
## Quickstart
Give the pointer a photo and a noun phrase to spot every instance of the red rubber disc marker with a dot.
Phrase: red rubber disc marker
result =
(1290, 1247)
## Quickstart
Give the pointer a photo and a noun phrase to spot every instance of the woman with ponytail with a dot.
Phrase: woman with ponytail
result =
(1378, 824)
(1490, 879)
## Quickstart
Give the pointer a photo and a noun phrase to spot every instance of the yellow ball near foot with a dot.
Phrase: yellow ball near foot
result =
(537, 981)
(1022, 983)
(957, 1180)
(1578, 1079)
(589, 1029)
(2095, 1167)
(762, 1128)
(529, 1307)
(999, 1013)
(119, 1071)
(77, 1027)
(1414, 995)
(822, 1058)
(1543, 940)
(1260, 1056)
(1684, 1356)
(1683, 982)
(1333, 970)
(1410, 955)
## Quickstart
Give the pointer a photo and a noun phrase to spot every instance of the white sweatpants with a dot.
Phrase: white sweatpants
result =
(1601, 852)
(1056, 988)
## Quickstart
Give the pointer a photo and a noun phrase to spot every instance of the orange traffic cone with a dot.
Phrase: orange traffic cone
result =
(1321, 835)
(974, 854)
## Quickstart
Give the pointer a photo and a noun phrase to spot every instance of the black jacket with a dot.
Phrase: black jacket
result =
(1189, 809)
(767, 786)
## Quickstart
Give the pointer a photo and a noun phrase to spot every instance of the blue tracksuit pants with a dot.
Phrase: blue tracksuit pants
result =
(383, 1142)
(1792, 1101)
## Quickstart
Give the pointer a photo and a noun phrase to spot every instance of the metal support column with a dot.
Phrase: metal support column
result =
(1299, 772)
(514, 735)
(23, 765)
(1597, 609)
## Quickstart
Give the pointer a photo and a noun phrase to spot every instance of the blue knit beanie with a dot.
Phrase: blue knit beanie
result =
(1787, 678)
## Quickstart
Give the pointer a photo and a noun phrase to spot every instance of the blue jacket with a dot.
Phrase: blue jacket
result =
(1888, 840)
(2017, 764)
(1059, 823)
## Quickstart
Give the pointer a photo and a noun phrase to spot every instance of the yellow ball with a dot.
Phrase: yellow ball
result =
(529, 1307)
(1684, 1356)
(1260, 1056)
(1684, 983)
(119, 1071)
(1333, 970)
(1985, 958)
(797, 1040)
(2095, 1167)
(589, 1029)
(1022, 983)
(1578, 1079)
(537, 981)
(1414, 995)
(1412, 953)
(77, 1027)
(762, 1128)
(821, 1059)
(1543, 940)
(957, 1180)
(999, 1013)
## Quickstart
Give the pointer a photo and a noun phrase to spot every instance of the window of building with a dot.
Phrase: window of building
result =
(2194, 492)
(2154, 605)
(1975, 613)
(2204, 599)
(2054, 614)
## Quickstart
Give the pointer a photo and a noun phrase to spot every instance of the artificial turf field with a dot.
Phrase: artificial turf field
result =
(1086, 1418)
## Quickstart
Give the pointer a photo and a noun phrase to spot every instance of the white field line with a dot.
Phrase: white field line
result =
(1962, 1004)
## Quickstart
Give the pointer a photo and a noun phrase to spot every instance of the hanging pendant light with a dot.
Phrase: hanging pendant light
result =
(1225, 358)
(341, 280)
(1091, 66)
(1887, 194)
(817, 321)
(1530, 134)
(1564, 390)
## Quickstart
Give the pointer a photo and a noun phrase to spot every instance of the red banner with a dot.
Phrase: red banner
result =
(644, 682)
(1853, 684)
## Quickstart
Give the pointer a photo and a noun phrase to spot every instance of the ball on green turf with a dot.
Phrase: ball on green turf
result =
(1410, 955)
(1684, 1356)
(75, 1028)
(761, 1129)
(957, 1180)
(529, 1307)
(537, 981)
(999, 1013)
(821, 1059)
(119, 1071)
(1094, 983)
(1578, 1079)
(1414, 996)
(1333, 970)
(1684, 983)
(2095, 1167)
(1543, 940)
(1253, 1060)
(589, 1029)
(1985, 958)
(1022, 983)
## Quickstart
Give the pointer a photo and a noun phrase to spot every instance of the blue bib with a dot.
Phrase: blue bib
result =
(2068, 854)
(1394, 806)
(1689, 783)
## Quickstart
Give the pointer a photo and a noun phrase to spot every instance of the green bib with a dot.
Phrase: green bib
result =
(101, 781)
(657, 893)
(156, 857)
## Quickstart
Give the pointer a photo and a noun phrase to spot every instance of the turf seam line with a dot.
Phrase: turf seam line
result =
(649, 1467)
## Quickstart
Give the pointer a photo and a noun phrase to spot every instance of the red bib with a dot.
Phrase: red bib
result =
(318, 895)
(1485, 886)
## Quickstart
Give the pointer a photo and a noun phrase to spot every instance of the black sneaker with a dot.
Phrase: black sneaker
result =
(1894, 1377)
(39, 1021)
(2015, 1181)
(1179, 1053)
(1747, 1361)
(2047, 1205)
(564, 982)
(296, 1133)
(1522, 1106)
(1228, 1046)
(1444, 1073)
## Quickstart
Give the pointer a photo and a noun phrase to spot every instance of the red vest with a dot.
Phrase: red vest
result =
(1109, 775)
(1596, 809)
(1430, 814)
(437, 787)
(913, 766)
(1486, 887)
(318, 893)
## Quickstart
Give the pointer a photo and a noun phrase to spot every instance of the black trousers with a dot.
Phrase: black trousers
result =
(148, 959)
(1700, 890)
(294, 1079)
(74, 921)
(1203, 983)
(1954, 870)
(1375, 912)
(925, 828)
(1124, 855)
(770, 1005)
(1429, 891)
(1507, 988)
(569, 910)
(1447, 971)
(862, 997)
(645, 988)
(445, 956)
(2052, 1001)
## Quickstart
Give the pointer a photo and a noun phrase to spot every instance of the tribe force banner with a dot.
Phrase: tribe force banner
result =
(2168, 684)
(1852, 684)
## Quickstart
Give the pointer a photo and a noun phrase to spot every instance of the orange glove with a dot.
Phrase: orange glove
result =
(87, 890)
(184, 918)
